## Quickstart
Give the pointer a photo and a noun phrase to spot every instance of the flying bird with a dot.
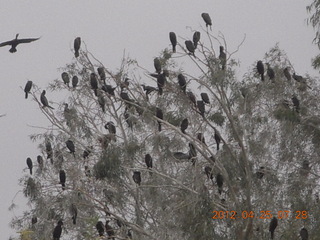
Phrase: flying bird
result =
(173, 40)
(273, 225)
(44, 100)
(137, 177)
(260, 69)
(184, 125)
(27, 88)
(65, 78)
(62, 177)
(30, 165)
(222, 58)
(76, 45)
(190, 47)
(196, 38)
(75, 81)
(207, 19)
(57, 230)
(15, 42)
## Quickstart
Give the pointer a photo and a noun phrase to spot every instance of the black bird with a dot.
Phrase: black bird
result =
(222, 58)
(109, 230)
(273, 225)
(74, 213)
(192, 153)
(62, 177)
(34, 220)
(304, 234)
(260, 69)
(101, 101)
(128, 119)
(207, 19)
(196, 38)
(205, 98)
(260, 173)
(70, 146)
(108, 89)
(181, 155)
(27, 88)
(208, 171)
(173, 40)
(148, 160)
(157, 65)
(14, 43)
(201, 138)
(57, 230)
(75, 81)
(287, 73)
(49, 150)
(298, 78)
(182, 82)
(217, 138)
(159, 114)
(137, 177)
(102, 74)
(184, 125)
(296, 103)
(125, 96)
(30, 164)
(148, 90)
(192, 98)
(125, 84)
(76, 46)
(111, 127)
(65, 78)
(219, 180)
(40, 162)
(270, 72)
(94, 83)
(44, 100)
(100, 228)
(201, 107)
(161, 81)
(190, 46)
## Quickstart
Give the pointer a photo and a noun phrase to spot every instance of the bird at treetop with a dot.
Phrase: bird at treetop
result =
(65, 78)
(205, 98)
(159, 114)
(76, 46)
(287, 73)
(196, 38)
(94, 83)
(137, 177)
(184, 125)
(157, 65)
(100, 228)
(270, 72)
(62, 177)
(207, 19)
(260, 69)
(219, 180)
(57, 230)
(190, 47)
(30, 164)
(102, 73)
(148, 160)
(125, 84)
(222, 58)
(173, 40)
(44, 100)
(14, 43)
(34, 220)
(27, 88)
(273, 225)
(75, 81)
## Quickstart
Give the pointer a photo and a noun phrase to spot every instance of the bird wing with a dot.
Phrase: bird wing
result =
(27, 40)
(6, 43)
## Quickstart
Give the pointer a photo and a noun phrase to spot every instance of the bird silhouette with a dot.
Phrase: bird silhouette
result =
(76, 45)
(30, 165)
(272, 227)
(15, 42)
(222, 58)
(260, 69)
(207, 19)
(184, 125)
(182, 82)
(304, 234)
(27, 88)
(173, 40)
(75, 81)
(44, 100)
(190, 46)
(148, 160)
(57, 230)
(196, 38)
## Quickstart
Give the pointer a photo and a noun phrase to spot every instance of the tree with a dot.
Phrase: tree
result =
(265, 164)
(314, 20)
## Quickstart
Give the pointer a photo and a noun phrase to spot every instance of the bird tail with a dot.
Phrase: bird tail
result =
(74, 220)
(262, 77)
(30, 171)
(159, 126)
(76, 54)
(220, 190)
(160, 91)
(174, 49)
(50, 107)
(95, 92)
(26, 95)
(272, 235)
(63, 186)
(218, 147)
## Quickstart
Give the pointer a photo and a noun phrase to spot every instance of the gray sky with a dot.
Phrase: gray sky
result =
(108, 28)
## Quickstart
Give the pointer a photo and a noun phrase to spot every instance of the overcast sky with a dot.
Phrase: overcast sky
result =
(108, 28)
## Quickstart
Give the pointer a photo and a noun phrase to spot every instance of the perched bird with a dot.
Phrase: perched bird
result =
(128, 119)
(75, 81)
(260, 69)
(207, 19)
(273, 225)
(109, 230)
(65, 78)
(184, 125)
(298, 78)
(161, 81)
(208, 171)
(205, 98)
(30, 164)
(181, 155)
(190, 47)
(287, 73)
(125, 96)
(296, 103)
(74, 213)
(62, 177)
(182, 82)
(40, 162)
(159, 114)
(196, 38)
(101, 101)
(94, 83)
(219, 180)
(192, 98)
(57, 230)
(148, 160)
(260, 173)
(222, 58)
(201, 107)
(14, 43)
(157, 65)
(27, 88)
(102, 74)
(110, 127)
(125, 84)
(76, 46)
(201, 138)
(44, 100)
(108, 89)
(304, 234)
(49, 149)
(100, 228)
(70, 146)
(270, 72)
(148, 90)
(137, 177)
(173, 40)
(217, 138)
(34, 220)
